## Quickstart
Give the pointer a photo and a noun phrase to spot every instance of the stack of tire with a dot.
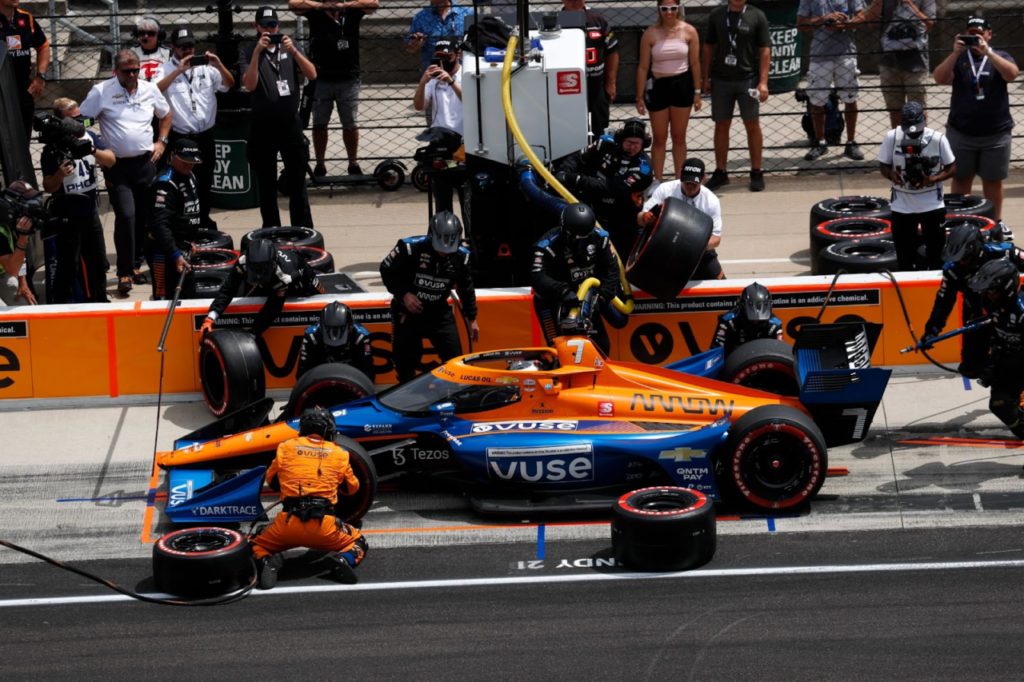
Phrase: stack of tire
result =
(305, 241)
(851, 233)
(213, 260)
(964, 208)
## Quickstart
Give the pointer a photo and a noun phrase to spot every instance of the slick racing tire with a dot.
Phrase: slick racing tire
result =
(230, 371)
(214, 260)
(207, 283)
(845, 229)
(667, 253)
(351, 508)
(663, 528)
(850, 207)
(201, 562)
(971, 204)
(953, 219)
(859, 256)
(295, 236)
(774, 458)
(318, 259)
(327, 386)
(763, 364)
(213, 239)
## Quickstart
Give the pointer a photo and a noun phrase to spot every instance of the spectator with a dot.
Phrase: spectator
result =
(671, 51)
(273, 68)
(334, 50)
(443, 18)
(979, 121)
(73, 184)
(13, 246)
(903, 66)
(602, 64)
(125, 107)
(440, 93)
(737, 54)
(833, 60)
(150, 48)
(191, 93)
(23, 34)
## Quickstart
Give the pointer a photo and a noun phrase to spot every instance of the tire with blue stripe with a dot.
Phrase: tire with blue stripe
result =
(663, 528)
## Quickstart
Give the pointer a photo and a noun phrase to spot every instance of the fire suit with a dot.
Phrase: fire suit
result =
(173, 225)
(733, 330)
(1005, 370)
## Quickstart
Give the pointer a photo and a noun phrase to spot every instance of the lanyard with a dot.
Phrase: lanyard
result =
(728, 28)
(188, 75)
(976, 72)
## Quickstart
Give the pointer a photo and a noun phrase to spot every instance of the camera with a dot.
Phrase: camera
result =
(916, 167)
(201, 60)
(63, 134)
(13, 206)
(275, 37)
(903, 31)
(969, 40)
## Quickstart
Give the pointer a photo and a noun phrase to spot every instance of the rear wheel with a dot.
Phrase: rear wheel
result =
(663, 528)
(326, 386)
(230, 371)
(350, 508)
(763, 364)
(667, 253)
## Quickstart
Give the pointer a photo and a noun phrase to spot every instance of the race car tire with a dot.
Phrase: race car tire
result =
(321, 261)
(953, 219)
(850, 207)
(844, 229)
(214, 260)
(295, 236)
(351, 508)
(663, 528)
(201, 562)
(214, 239)
(773, 459)
(230, 371)
(667, 253)
(763, 364)
(971, 204)
(327, 386)
(859, 256)
(207, 283)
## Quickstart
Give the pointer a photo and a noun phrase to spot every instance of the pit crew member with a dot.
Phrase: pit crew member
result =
(336, 338)
(174, 220)
(750, 319)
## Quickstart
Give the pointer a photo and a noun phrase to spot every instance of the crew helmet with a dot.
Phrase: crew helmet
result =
(444, 231)
(997, 279)
(756, 303)
(578, 220)
(260, 262)
(335, 324)
(964, 242)
(317, 421)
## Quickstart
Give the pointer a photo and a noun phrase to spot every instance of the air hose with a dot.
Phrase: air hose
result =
(528, 183)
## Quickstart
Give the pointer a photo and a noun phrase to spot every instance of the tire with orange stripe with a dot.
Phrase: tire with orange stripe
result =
(663, 528)
(845, 229)
(201, 562)
(762, 364)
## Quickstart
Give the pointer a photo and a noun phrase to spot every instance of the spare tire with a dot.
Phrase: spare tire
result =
(971, 204)
(318, 259)
(230, 371)
(207, 283)
(858, 256)
(351, 508)
(326, 386)
(763, 364)
(297, 236)
(667, 253)
(844, 229)
(214, 260)
(212, 239)
(663, 528)
(850, 207)
(953, 219)
(201, 562)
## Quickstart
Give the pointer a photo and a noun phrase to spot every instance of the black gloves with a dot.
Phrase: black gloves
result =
(569, 180)
(930, 333)
(569, 299)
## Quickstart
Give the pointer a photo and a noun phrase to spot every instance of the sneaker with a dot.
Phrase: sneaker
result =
(139, 278)
(268, 568)
(817, 151)
(757, 181)
(124, 285)
(1001, 232)
(719, 178)
(853, 151)
(320, 170)
(354, 169)
(342, 572)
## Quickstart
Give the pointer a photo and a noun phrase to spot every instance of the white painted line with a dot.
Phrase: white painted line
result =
(555, 579)
(797, 259)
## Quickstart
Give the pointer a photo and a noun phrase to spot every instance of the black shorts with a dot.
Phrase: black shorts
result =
(671, 91)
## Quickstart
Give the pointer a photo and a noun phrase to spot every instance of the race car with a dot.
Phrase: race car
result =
(564, 429)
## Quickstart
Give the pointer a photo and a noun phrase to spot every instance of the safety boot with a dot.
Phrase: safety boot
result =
(268, 568)
(342, 571)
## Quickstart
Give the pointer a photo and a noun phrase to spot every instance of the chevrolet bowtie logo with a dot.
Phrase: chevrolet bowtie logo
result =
(683, 454)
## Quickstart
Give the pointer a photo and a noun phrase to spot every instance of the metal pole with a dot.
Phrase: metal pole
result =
(478, 76)
(54, 62)
(523, 18)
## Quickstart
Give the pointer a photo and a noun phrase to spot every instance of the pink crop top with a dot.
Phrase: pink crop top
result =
(671, 56)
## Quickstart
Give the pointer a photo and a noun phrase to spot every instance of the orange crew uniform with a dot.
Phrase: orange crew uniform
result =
(312, 467)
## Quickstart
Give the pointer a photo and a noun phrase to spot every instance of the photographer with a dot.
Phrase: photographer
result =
(69, 161)
(917, 160)
(440, 89)
(903, 66)
(16, 226)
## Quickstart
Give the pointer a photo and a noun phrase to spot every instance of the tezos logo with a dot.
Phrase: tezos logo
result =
(569, 83)
(525, 426)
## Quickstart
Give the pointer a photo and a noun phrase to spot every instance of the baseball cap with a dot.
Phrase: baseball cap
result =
(266, 14)
(912, 117)
(692, 171)
(182, 36)
(187, 150)
(447, 45)
(979, 23)
(24, 189)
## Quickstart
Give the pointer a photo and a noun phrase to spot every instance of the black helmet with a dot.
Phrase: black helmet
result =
(964, 242)
(756, 303)
(260, 262)
(445, 231)
(335, 324)
(578, 220)
(999, 279)
(317, 421)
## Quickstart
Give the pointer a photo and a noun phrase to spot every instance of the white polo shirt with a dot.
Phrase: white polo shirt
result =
(192, 96)
(705, 201)
(445, 104)
(126, 120)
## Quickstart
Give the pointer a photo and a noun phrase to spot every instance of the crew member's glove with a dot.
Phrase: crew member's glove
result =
(569, 299)
(929, 334)
(569, 180)
(207, 327)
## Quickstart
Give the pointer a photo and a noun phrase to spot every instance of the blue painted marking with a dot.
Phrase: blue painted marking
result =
(540, 541)
(100, 499)
(967, 384)
(771, 525)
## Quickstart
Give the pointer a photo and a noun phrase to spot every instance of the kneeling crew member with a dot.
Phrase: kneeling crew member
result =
(563, 258)
(964, 253)
(173, 220)
(307, 472)
(267, 271)
(336, 338)
(751, 319)
(420, 273)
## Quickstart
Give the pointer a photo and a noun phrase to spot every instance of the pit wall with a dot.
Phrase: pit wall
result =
(100, 351)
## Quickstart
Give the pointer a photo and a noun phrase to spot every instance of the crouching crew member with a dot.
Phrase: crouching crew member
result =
(750, 319)
(265, 270)
(308, 471)
(173, 220)
(563, 258)
(336, 338)
(420, 273)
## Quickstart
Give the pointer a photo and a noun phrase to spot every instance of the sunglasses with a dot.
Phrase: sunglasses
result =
(268, 24)
(668, 8)
(147, 34)
(129, 72)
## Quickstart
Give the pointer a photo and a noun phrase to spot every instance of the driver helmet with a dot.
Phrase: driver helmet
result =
(964, 243)
(756, 303)
(317, 421)
(261, 262)
(999, 280)
(445, 231)
(578, 220)
(524, 366)
(335, 324)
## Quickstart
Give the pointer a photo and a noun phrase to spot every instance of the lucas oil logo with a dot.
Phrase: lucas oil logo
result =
(569, 83)
(488, 427)
(553, 464)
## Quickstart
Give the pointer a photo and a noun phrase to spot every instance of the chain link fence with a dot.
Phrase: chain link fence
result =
(84, 35)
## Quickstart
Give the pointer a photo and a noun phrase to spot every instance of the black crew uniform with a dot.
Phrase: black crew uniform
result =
(296, 279)
(1005, 370)
(601, 42)
(22, 34)
(414, 267)
(560, 264)
(356, 353)
(955, 280)
(733, 330)
(613, 184)
(174, 220)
